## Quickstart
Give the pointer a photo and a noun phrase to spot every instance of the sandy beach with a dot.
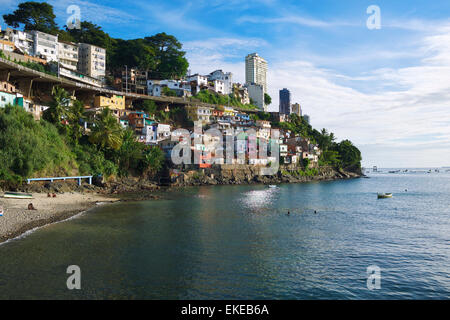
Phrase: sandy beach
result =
(17, 219)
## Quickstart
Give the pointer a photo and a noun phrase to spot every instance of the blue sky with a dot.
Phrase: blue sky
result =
(387, 90)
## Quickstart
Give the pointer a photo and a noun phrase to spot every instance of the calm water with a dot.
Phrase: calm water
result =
(236, 242)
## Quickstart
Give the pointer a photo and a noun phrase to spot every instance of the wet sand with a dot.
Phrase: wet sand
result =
(17, 219)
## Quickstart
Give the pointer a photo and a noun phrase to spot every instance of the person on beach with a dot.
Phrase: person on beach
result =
(54, 195)
(31, 207)
(49, 195)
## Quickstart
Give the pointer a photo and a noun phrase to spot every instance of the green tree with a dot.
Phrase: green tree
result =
(153, 160)
(130, 153)
(267, 99)
(349, 154)
(169, 59)
(58, 108)
(107, 132)
(149, 107)
(75, 113)
(34, 16)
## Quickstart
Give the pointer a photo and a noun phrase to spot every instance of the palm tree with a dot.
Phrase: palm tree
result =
(57, 110)
(107, 132)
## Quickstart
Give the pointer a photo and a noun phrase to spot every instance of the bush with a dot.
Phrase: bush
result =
(30, 148)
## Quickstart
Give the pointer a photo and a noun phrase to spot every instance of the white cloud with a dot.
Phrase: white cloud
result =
(292, 19)
(92, 12)
(406, 124)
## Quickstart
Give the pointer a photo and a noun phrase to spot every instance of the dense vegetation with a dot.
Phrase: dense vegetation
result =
(58, 145)
(215, 98)
(161, 54)
(340, 155)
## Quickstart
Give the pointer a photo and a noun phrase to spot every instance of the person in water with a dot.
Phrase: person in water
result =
(289, 212)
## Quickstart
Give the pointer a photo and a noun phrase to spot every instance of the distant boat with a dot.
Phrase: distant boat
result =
(272, 186)
(18, 195)
(384, 195)
(394, 171)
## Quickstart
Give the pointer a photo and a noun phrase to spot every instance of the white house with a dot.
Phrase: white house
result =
(225, 78)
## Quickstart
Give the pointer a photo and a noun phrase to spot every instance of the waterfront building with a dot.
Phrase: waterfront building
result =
(256, 71)
(285, 101)
(92, 60)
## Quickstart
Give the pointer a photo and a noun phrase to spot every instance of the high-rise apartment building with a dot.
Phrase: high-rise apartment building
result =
(297, 109)
(285, 101)
(68, 55)
(256, 70)
(92, 60)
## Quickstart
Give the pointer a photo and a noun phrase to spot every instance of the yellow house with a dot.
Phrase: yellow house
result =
(113, 102)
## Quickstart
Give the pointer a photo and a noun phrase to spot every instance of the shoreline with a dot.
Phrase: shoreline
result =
(17, 220)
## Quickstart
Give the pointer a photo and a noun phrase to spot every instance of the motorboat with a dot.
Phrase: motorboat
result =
(384, 195)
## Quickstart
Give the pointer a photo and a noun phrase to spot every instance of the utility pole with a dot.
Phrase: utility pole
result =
(126, 78)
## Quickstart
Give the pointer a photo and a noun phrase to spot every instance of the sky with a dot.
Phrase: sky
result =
(387, 90)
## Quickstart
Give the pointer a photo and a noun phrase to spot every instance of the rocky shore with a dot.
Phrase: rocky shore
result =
(251, 175)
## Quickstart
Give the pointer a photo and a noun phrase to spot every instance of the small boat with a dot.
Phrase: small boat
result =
(272, 186)
(17, 195)
(384, 195)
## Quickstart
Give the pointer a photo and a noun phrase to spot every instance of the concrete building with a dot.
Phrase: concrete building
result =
(181, 88)
(23, 41)
(241, 93)
(45, 45)
(134, 81)
(197, 82)
(6, 46)
(256, 70)
(68, 55)
(92, 60)
(297, 109)
(285, 101)
(307, 118)
(113, 102)
(225, 78)
(256, 93)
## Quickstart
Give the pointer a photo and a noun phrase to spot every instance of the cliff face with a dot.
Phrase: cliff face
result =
(244, 174)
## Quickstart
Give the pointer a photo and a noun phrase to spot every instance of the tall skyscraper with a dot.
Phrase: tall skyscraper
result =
(285, 101)
(256, 70)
